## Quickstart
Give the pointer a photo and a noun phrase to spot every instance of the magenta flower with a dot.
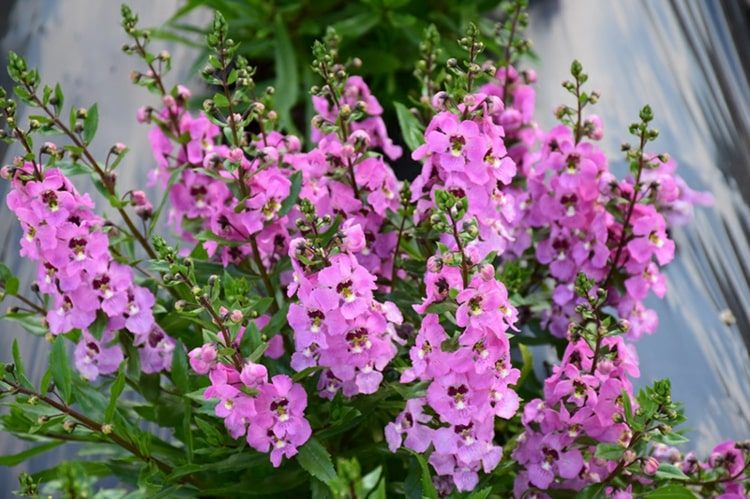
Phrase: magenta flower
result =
(649, 229)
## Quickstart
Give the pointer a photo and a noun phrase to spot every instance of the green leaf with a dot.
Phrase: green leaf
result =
(20, 368)
(61, 371)
(315, 459)
(8, 280)
(115, 391)
(411, 129)
(150, 387)
(593, 491)
(46, 380)
(671, 491)
(258, 353)
(90, 124)
(611, 452)
(287, 77)
(16, 459)
(428, 488)
(669, 471)
(672, 438)
(97, 328)
(413, 480)
(291, 200)
(480, 494)
(59, 99)
(221, 101)
(180, 369)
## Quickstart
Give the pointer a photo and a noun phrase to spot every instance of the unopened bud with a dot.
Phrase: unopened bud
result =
(107, 429)
(650, 465)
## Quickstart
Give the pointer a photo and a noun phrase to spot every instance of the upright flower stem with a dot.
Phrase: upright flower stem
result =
(579, 113)
(394, 266)
(508, 51)
(629, 213)
(623, 240)
(343, 127)
(106, 181)
(464, 262)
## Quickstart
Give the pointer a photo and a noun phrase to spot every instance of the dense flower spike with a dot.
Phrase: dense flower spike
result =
(268, 412)
(67, 239)
(339, 326)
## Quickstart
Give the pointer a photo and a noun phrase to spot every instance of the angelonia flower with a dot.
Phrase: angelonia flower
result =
(496, 192)
(464, 154)
(356, 94)
(580, 400)
(469, 372)
(470, 381)
(201, 198)
(75, 268)
(268, 412)
(339, 325)
(347, 176)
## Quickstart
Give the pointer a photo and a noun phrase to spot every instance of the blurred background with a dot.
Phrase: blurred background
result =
(689, 60)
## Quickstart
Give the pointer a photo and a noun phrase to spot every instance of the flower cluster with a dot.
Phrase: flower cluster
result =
(581, 399)
(201, 198)
(338, 325)
(75, 268)
(344, 175)
(464, 154)
(575, 215)
(269, 413)
(470, 378)
(356, 95)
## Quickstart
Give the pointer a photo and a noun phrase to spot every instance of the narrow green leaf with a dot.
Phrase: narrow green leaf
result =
(287, 77)
(59, 99)
(20, 368)
(428, 488)
(413, 480)
(315, 459)
(180, 369)
(46, 380)
(670, 491)
(609, 451)
(411, 129)
(61, 371)
(16, 459)
(90, 124)
(670, 472)
(8, 280)
(115, 391)
(480, 494)
(258, 353)
(221, 101)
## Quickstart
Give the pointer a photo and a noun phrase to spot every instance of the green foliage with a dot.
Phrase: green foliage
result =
(386, 35)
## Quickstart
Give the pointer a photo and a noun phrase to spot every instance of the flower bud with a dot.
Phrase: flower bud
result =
(107, 429)
(236, 316)
(253, 374)
(650, 465)
(434, 264)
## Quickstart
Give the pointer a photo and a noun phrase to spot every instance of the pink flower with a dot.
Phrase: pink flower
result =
(203, 359)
